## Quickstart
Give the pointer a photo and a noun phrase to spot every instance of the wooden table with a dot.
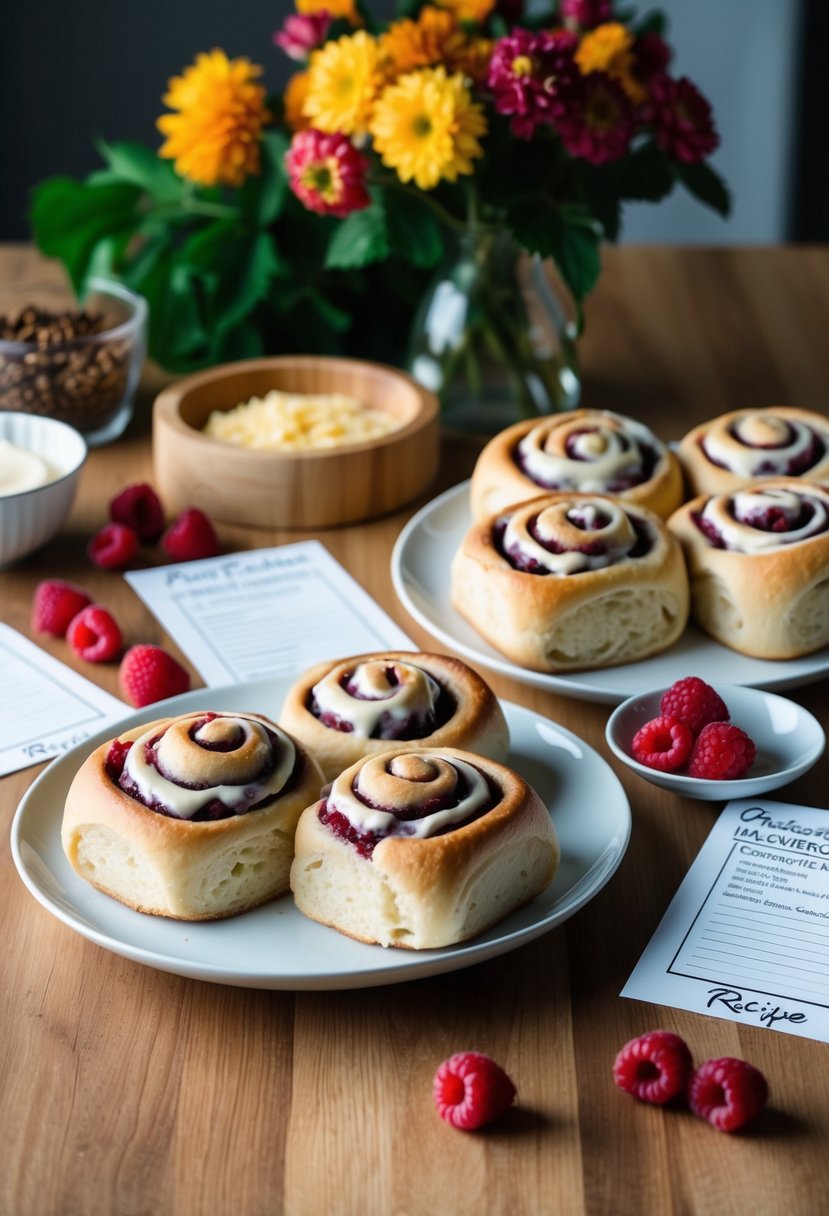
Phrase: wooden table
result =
(127, 1090)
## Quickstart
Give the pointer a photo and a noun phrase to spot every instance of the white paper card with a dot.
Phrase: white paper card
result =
(246, 616)
(45, 707)
(746, 937)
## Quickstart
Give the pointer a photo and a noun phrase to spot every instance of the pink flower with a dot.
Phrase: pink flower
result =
(302, 33)
(599, 125)
(586, 14)
(531, 76)
(683, 119)
(327, 173)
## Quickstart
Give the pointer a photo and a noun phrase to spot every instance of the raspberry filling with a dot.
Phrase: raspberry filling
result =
(604, 458)
(800, 461)
(586, 522)
(418, 704)
(767, 516)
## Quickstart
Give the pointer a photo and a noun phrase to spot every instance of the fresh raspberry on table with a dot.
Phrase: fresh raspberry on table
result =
(656, 1067)
(190, 536)
(471, 1090)
(728, 1093)
(721, 752)
(139, 507)
(54, 604)
(694, 702)
(114, 547)
(149, 674)
(94, 635)
(662, 743)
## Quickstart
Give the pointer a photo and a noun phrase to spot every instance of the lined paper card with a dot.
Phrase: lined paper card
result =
(746, 936)
(47, 707)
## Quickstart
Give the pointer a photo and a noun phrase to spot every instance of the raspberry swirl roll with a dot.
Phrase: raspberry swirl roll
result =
(190, 817)
(359, 706)
(758, 560)
(421, 848)
(567, 582)
(741, 446)
(585, 451)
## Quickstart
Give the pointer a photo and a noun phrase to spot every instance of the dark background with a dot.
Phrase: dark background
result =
(74, 72)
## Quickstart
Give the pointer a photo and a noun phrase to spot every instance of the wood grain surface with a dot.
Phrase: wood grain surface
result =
(127, 1090)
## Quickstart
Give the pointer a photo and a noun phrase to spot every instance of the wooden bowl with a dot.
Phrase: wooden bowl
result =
(302, 489)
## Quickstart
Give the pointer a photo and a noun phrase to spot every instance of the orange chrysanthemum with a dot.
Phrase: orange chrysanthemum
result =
(476, 11)
(214, 137)
(609, 48)
(336, 9)
(432, 39)
(293, 102)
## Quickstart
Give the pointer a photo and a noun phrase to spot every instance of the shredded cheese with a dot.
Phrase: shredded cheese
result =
(280, 422)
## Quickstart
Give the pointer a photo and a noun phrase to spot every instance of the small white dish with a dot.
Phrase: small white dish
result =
(30, 518)
(789, 741)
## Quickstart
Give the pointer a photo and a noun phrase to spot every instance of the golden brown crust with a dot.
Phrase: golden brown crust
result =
(769, 605)
(703, 476)
(477, 723)
(180, 868)
(432, 892)
(498, 481)
(547, 622)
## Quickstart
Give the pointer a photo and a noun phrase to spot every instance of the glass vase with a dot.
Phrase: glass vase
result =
(494, 338)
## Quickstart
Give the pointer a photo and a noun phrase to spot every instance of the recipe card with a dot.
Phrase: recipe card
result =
(247, 616)
(46, 707)
(746, 937)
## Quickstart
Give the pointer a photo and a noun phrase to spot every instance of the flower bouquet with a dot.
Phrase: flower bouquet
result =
(404, 198)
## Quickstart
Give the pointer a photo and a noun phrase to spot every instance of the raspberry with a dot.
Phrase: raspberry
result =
(663, 743)
(139, 507)
(728, 1093)
(190, 536)
(721, 753)
(694, 702)
(149, 674)
(654, 1068)
(94, 635)
(471, 1090)
(54, 604)
(114, 547)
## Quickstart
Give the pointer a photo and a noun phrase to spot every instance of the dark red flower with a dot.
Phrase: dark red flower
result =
(586, 14)
(683, 121)
(531, 76)
(599, 124)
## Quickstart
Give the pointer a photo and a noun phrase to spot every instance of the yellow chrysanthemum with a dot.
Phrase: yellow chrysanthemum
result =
(469, 10)
(609, 48)
(214, 137)
(426, 127)
(344, 78)
(336, 9)
(293, 102)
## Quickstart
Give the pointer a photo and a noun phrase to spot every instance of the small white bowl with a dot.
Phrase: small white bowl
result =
(31, 518)
(789, 741)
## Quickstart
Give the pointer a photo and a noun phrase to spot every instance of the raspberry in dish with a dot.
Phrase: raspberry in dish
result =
(422, 848)
(190, 817)
(663, 743)
(361, 705)
(728, 1093)
(470, 1090)
(694, 702)
(655, 1067)
(721, 752)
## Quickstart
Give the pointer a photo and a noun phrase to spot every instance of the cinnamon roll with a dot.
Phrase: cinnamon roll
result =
(422, 848)
(758, 560)
(190, 817)
(584, 451)
(361, 705)
(572, 581)
(741, 446)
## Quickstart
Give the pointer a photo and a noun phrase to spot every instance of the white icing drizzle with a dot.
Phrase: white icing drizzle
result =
(731, 516)
(604, 447)
(758, 441)
(376, 772)
(237, 795)
(560, 523)
(415, 694)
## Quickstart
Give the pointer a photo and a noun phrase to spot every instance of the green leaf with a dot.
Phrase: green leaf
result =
(262, 197)
(568, 236)
(706, 185)
(413, 230)
(359, 239)
(70, 219)
(521, 168)
(143, 167)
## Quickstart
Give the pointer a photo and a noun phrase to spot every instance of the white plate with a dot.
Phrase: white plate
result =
(420, 572)
(275, 946)
(789, 741)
